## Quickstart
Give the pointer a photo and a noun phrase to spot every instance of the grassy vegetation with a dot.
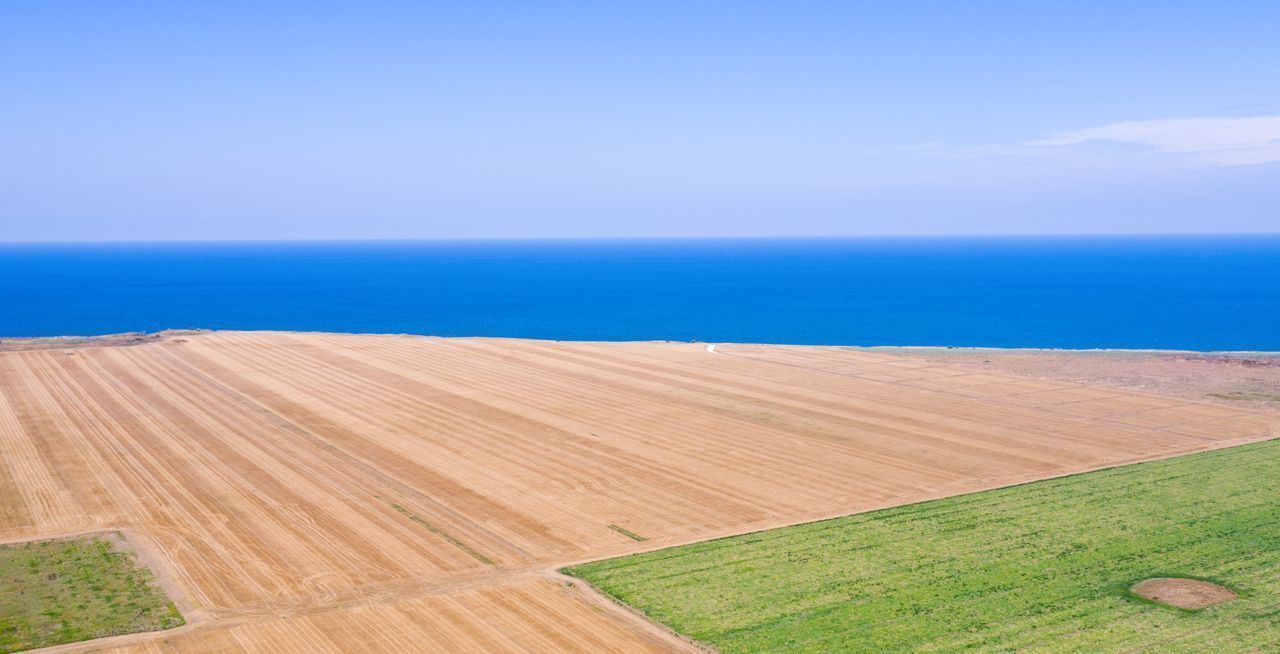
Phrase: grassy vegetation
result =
(62, 591)
(1042, 567)
(1247, 396)
(443, 534)
(628, 533)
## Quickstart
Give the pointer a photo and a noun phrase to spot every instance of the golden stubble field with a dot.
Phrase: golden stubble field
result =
(337, 493)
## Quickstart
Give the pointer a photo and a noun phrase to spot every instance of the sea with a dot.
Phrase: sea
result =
(1143, 292)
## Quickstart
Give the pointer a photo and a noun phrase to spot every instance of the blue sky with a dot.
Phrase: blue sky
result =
(142, 120)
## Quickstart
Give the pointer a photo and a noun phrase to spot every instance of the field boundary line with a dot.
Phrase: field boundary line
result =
(931, 497)
(591, 593)
(627, 615)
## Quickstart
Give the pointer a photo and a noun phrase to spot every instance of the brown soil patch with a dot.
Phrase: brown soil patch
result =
(1183, 593)
(1248, 380)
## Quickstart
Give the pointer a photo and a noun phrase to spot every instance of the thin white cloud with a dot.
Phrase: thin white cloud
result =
(1125, 149)
(1210, 141)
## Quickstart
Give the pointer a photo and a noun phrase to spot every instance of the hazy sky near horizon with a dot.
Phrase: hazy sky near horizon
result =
(257, 120)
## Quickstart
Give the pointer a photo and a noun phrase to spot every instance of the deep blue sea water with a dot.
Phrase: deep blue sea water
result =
(1201, 293)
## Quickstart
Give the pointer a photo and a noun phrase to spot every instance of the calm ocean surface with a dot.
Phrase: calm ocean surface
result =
(1200, 293)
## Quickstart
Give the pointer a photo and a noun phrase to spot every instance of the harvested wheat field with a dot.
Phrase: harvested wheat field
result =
(336, 493)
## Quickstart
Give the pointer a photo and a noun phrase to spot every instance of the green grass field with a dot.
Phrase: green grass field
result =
(62, 591)
(1043, 567)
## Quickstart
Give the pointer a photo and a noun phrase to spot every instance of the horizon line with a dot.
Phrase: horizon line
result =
(708, 237)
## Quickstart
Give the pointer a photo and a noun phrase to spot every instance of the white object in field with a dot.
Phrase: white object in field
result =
(711, 348)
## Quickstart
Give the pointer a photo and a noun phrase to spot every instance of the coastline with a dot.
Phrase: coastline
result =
(139, 337)
(1087, 350)
(25, 343)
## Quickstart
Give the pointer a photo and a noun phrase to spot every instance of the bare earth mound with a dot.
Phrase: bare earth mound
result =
(1183, 593)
